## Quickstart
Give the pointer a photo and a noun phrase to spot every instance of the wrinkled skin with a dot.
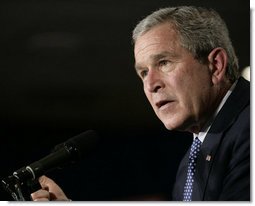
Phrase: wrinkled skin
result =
(182, 91)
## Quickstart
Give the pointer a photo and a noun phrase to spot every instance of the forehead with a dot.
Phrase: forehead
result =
(160, 38)
(163, 35)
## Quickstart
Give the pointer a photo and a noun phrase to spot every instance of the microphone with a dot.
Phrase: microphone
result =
(70, 151)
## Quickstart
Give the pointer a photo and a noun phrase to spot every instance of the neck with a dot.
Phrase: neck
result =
(207, 120)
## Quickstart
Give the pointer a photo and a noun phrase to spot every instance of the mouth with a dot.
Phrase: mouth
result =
(162, 103)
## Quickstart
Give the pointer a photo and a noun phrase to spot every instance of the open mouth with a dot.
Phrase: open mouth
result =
(162, 103)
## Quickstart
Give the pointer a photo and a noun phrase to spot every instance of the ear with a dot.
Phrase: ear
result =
(218, 64)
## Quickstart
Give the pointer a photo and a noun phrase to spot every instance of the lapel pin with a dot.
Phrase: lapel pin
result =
(208, 158)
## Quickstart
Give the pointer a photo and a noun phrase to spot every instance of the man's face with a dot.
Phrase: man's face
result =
(178, 87)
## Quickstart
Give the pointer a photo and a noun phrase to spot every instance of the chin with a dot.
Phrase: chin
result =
(176, 125)
(170, 126)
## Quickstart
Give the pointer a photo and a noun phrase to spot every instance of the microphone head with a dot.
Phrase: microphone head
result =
(84, 143)
(80, 145)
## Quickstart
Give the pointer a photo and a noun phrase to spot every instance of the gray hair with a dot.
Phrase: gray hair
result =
(200, 31)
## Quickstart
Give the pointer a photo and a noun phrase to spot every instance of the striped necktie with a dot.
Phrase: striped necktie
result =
(195, 147)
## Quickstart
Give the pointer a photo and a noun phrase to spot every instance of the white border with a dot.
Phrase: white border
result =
(252, 25)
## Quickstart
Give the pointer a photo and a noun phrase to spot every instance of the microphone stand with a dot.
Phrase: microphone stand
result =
(20, 190)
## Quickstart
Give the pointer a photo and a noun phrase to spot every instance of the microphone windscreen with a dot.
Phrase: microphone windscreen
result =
(80, 145)
(84, 143)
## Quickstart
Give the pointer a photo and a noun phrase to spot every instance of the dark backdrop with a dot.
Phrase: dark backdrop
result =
(66, 67)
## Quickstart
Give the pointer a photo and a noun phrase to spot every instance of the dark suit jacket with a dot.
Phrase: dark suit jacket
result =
(223, 164)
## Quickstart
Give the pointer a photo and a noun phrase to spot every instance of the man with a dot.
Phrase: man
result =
(190, 74)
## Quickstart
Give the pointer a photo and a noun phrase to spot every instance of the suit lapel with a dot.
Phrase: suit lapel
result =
(205, 159)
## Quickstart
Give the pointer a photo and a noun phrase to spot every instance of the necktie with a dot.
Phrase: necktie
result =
(195, 147)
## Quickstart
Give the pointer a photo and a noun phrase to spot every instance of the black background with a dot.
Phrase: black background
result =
(67, 67)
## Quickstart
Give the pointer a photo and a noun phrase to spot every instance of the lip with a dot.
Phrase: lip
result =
(162, 103)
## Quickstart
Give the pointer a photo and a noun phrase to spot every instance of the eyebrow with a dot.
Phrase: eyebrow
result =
(155, 58)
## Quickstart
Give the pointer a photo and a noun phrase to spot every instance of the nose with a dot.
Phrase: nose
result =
(153, 82)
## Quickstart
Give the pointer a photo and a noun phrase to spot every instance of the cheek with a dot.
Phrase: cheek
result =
(182, 89)
(186, 106)
(189, 103)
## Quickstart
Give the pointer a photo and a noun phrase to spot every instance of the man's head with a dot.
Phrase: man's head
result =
(186, 61)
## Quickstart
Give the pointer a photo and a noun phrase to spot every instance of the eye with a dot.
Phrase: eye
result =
(163, 62)
(143, 73)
